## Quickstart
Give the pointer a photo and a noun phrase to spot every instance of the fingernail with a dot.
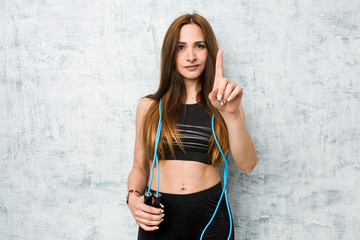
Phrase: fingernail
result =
(219, 96)
(222, 102)
(162, 210)
(163, 215)
(229, 99)
(161, 205)
(156, 227)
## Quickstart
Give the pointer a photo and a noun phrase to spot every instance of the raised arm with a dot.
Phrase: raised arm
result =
(226, 97)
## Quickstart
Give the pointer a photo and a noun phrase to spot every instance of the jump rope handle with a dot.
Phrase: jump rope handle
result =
(148, 199)
(152, 200)
(157, 200)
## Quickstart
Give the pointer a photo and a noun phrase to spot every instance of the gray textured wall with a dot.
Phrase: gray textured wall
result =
(72, 71)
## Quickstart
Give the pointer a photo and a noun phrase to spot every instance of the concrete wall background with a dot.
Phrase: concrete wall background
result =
(71, 73)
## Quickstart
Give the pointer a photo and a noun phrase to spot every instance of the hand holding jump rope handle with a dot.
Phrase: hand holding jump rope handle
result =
(152, 200)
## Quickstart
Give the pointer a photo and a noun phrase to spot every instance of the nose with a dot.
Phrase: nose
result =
(191, 56)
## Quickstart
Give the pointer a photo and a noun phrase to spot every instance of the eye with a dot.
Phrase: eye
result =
(181, 47)
(200, 45)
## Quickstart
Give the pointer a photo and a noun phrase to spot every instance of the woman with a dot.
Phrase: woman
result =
(192, 89)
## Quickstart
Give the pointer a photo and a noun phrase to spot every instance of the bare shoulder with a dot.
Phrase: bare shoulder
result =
(142, 107)
(144, 103)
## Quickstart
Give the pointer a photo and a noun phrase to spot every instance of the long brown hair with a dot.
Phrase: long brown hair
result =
(172, 91)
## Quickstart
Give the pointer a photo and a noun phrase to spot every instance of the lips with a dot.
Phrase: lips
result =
(192, 67)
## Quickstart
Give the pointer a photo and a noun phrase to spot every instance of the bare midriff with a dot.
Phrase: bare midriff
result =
(184, 176)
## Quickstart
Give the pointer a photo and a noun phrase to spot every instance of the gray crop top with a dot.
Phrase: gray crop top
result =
(194, 127)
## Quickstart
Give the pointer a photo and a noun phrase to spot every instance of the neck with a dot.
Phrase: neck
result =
(191, 90)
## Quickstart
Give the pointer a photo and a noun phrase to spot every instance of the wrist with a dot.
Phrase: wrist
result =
(130, 194)
(231, 115)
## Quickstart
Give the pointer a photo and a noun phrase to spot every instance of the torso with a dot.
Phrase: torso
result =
(187, 175)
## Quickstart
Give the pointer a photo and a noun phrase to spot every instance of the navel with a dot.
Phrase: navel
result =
(182, 189)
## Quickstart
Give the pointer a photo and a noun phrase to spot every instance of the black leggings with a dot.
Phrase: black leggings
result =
(186, 215)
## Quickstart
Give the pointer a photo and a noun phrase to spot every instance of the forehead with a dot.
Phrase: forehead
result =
(191, 33)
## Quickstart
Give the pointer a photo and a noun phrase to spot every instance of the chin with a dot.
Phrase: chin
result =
(191, 76)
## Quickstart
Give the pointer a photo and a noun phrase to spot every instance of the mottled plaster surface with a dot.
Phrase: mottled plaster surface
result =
(71, 73)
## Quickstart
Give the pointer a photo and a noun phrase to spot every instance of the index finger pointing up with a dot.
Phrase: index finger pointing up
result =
(219, 63)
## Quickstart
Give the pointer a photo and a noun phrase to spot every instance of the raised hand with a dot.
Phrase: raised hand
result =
(226, 95)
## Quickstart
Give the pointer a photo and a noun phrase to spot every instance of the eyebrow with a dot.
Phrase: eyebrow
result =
(194, 42)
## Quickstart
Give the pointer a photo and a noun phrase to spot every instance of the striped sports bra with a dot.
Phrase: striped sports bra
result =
(194, 126)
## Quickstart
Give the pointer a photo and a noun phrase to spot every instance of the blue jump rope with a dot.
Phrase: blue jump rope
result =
(155, 200)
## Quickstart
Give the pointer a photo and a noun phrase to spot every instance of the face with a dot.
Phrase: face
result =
(191, 52)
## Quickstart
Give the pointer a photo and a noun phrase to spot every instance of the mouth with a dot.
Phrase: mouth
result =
(192, 67)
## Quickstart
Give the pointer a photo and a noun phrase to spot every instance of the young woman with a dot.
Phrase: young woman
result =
(192, 88)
